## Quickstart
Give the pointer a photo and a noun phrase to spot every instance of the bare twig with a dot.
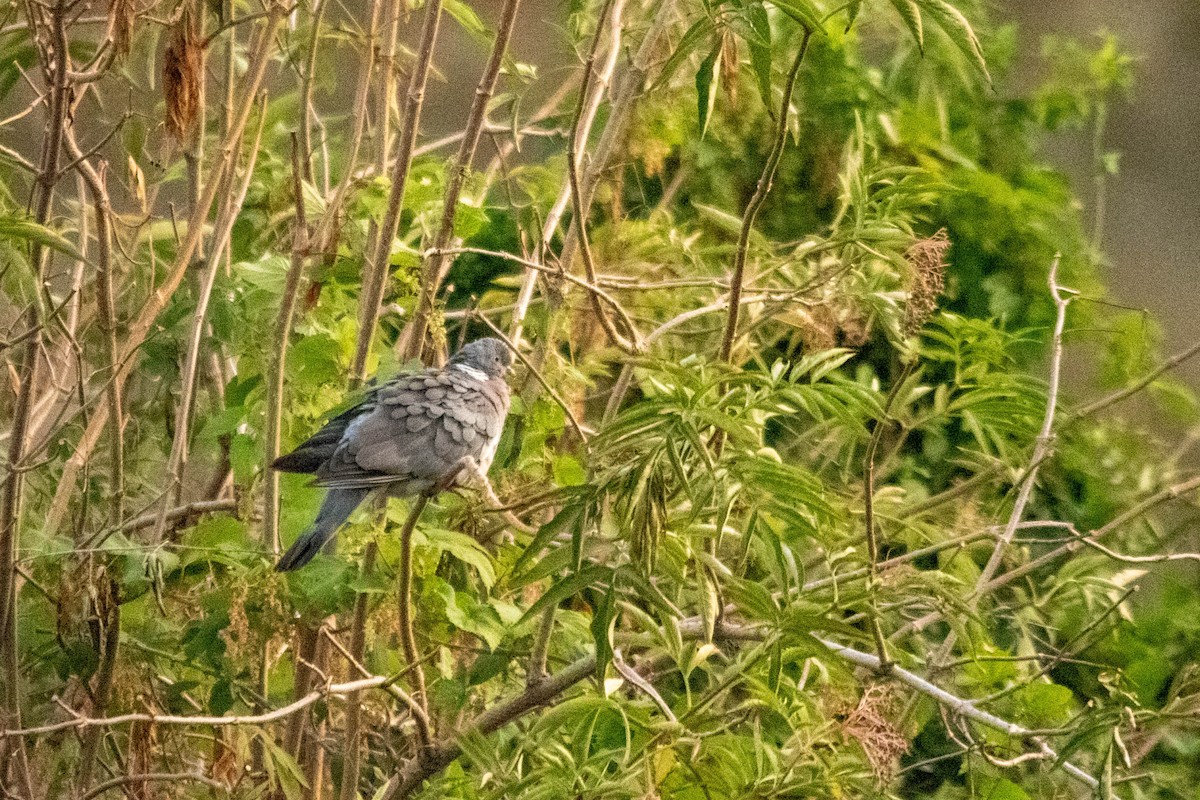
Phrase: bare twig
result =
(376, 272)
(756, 201)
(230, 205)
(1045, 436)
(408, 637)
(283, 329)
(869, 511)
(82, 723)
(351, 741)
(164, 777)
(435, 267)
(1135, 387)
(581, 127)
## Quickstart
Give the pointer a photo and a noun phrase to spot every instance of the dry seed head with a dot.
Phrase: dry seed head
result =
(181, 79)
(870, 724)
(121, 16)
(927, 260)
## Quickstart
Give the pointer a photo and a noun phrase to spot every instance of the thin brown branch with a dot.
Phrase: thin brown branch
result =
(161, 777)
(106, 307)
(1135, 387)
(582, 128)
(869, 511)
(435, 268)
(408, 637)
(306, 88)
(352, 739)
(1045, 438)
(82, 723)
(632, 344)
(443, 753)
(756, 202)
(376, 272)
(283, 330)
(228, 209)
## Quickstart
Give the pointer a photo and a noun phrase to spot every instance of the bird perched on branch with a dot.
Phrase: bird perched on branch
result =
(418, 433)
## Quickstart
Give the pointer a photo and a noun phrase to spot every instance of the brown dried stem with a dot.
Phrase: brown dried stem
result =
(376, 273)
(283, 329)
(352, 740)
(408, 637)
(437, 265)
(144, 321)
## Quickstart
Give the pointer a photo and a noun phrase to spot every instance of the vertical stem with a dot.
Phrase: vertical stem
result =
(581, 127)
(574, 157)
(193, 153)
(104, 682)
(376, 272)
(326, 224)
(386, 88)
(231, 204)
(756, 201)
(283, 328)
(352, 742)
(14, 753)
(536, 672)
(435, 265)
(408, 636)
(306, 90)
(869, 512)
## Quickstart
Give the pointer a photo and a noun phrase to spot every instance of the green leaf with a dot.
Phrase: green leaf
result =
(565, 520)
(603, 620)
(465, 16)
(803, 12)
(1047, 704)
(569, 586)
(759, 43)
(30, 231)
(701, 30)
(706, 86)
(956, 26)
(465, 549)
(852, 9)
(568, 471)
(910, 12)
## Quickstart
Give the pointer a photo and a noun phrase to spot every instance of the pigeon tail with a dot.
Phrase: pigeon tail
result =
(337, 506)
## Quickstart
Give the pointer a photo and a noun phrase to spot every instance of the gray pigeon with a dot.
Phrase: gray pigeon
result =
(419, 433)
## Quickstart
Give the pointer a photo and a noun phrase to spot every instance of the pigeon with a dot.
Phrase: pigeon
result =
(418, 433)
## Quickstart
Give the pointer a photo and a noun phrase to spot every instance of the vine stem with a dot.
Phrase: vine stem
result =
(1045, 439)
(352, 745)
(283, 329)
(582, 126)
(756, 202)
(408, 637)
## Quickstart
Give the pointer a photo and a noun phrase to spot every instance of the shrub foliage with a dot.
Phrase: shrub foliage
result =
(830, 471)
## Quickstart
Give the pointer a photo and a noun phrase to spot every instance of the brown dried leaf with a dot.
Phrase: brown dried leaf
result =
(181, 79)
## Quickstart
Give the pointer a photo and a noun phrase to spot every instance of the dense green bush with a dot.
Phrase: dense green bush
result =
(820, 478)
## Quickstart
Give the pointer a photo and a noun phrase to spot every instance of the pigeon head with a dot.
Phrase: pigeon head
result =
(489, 356)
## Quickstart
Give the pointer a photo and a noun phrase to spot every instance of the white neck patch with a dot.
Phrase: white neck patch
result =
(477, 374)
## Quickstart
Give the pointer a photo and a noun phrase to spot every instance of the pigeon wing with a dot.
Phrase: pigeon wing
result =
(418, 433)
